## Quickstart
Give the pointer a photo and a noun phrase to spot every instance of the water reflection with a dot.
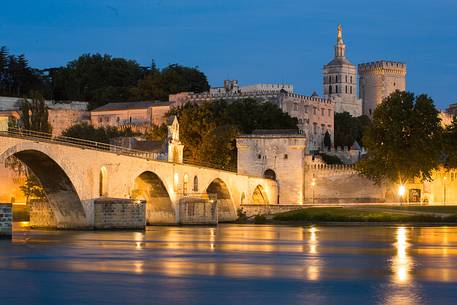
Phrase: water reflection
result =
(402, 262)
(379, 264)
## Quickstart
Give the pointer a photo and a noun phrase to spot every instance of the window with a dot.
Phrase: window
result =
(259, 156)
(295, 106)
(185, 182)
(336, 78)
(329, 112)
(336, 89)
(323, 128)
(195, 184)
(323, 111)
(100, 119)
(315, 128)
(346, 89)
(286, 156)
(346, 79)
(351, 89)
(314, 110)
(330, 89)
(351, 79)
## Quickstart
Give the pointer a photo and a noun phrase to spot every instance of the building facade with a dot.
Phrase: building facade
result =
(378, 80)
(139, 116)
(340, 80)
(315, 115)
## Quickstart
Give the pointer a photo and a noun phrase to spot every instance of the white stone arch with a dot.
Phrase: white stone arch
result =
(53, 171)
(160, 206)
(226, 203)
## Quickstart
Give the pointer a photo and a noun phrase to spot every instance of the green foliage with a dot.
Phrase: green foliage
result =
(32, 189)
(96, 78)
(89, 132)
(349, 129)
(330, 159)
(260, 219)
(158, 84)
(404, 140)
(208, 131)
(34, 114)
(450, 145)
(338, 214)
(16, 76)
(157, 133)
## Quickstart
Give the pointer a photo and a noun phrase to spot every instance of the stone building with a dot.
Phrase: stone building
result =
(301, 178)
(277, 156)
(139, 116)
(231, 86)
(315, 115)
(61, 115)
(378, 80)
(340, 80)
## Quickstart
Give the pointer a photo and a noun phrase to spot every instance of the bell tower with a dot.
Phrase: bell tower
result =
(340, 80)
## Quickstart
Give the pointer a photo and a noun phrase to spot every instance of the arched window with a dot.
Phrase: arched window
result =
(185, 183)
(195, 184)
(330, 89)
(346, 89)
(351, 89)
(336, 89)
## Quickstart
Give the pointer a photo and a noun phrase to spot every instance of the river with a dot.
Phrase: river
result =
(232, 264)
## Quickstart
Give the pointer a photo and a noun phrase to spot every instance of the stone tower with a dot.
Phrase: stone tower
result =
(378, 80)
(340, 80)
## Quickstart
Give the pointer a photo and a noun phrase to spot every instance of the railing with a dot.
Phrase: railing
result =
(88, 144)
(80, 143)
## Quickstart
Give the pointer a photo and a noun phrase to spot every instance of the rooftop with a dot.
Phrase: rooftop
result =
(130, 105)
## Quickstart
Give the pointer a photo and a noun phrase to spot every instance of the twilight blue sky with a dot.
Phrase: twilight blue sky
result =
(254, 41)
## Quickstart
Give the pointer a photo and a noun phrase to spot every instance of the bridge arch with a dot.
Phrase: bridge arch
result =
(60, 190)
(226, 206)
(259, 196)
(159, 206)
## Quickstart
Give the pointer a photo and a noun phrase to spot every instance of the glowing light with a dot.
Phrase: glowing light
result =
(313, 182)
(401, 190)
(401, 263)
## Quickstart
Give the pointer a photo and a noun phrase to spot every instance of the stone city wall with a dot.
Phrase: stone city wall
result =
(110, 213)
(198, 211)
(325, 184)
(6, 220)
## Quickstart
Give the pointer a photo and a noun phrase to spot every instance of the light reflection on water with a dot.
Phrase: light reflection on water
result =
(322, 265)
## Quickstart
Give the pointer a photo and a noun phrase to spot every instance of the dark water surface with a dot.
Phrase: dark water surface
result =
(232, 264)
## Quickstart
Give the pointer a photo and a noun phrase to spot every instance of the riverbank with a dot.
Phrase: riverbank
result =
(382, 214)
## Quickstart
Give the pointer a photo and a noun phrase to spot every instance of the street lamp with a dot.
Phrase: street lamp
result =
(313, 184)
(401, 192)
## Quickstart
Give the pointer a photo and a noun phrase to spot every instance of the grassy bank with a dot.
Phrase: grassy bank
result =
(361, 214)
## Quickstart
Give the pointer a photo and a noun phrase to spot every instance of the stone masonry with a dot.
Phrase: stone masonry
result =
(119, 214)
(198, 211)
(6, 220)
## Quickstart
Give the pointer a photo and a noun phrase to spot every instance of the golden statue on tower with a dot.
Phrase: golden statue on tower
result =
(340, 33)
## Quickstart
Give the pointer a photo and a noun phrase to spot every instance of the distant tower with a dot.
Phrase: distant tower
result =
(340, 80)
(378, 80)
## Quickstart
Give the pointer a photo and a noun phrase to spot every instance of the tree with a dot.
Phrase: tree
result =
(96, 78)
(209, 130)
(404, 140)
(349, 129)
(91, 133)
(159, 84)
(32, 189)
(34, 114)
(450, 145)
(327, 140)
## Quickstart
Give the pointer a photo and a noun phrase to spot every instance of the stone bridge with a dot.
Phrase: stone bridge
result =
(74, 176)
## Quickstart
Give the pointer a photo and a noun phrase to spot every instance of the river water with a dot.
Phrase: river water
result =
(232, 264)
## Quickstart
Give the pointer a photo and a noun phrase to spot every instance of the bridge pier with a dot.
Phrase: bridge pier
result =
(6, 221)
